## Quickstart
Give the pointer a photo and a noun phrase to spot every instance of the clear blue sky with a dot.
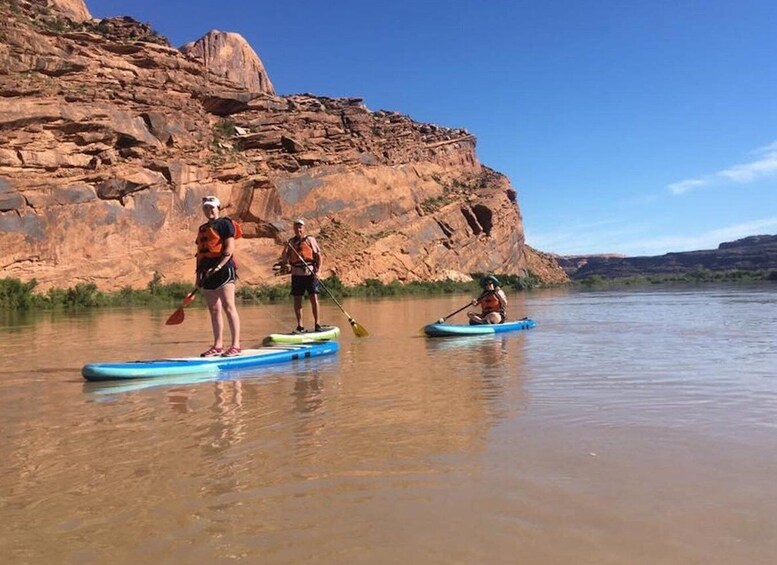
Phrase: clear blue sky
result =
(626, 126)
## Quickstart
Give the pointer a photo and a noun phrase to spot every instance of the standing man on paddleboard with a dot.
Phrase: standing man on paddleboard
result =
(217, 274)
(304, 255)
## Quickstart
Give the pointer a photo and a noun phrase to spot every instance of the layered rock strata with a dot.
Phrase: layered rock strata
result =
(229, 55)
(109, 138)
(755, 253)
(545, 266)
(74, 10)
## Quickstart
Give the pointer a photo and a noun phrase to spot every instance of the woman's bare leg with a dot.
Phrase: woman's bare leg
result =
(213, 300)
(227, 296)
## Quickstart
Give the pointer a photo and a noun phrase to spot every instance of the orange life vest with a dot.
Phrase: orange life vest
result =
(490, 303)
(305, 250)
(209, 242)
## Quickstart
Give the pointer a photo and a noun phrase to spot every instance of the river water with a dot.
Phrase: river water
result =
(633, 427)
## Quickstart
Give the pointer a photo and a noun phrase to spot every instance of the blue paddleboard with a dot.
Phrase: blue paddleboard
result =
(206, 365)
(448, 330)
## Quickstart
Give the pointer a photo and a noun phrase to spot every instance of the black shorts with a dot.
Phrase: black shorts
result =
(225, 275)
(300, 284)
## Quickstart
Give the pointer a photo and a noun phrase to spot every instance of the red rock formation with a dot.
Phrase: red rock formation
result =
(109, 137)
(229, 55)
(75, 10)
(545, 266)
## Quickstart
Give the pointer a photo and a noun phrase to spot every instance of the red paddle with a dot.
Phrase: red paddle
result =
(177, 316)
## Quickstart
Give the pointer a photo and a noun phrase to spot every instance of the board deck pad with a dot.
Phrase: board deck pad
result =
(327, 332)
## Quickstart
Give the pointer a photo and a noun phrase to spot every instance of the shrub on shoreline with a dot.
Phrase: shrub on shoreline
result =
(17, 295)
(695, 276)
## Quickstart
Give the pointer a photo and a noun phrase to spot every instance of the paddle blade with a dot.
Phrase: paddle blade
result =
(176, 317)
(358, 329)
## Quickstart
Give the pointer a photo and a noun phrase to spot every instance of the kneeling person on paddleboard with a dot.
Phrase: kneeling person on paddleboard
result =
(217, 274)
(493, 303)
(304, 255)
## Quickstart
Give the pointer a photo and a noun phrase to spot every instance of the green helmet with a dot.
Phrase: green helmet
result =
(488, 279)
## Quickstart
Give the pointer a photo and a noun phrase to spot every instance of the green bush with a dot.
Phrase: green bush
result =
(263, 293)
(168, 291)
(334, 285)
(224, 129)
(697, 275)
(83, 295)
(16, 295)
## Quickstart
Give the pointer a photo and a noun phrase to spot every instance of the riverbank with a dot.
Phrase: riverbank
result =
(694, 277)
(18, 295)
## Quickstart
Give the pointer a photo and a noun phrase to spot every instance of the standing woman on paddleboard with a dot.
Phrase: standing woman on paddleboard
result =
(217, 274)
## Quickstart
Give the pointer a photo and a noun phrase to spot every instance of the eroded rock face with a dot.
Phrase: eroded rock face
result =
(75, 10)
(109, 138)
(545, 266)
(229, 55)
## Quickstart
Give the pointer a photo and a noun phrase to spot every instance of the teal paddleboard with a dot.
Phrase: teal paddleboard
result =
(450, 330)
(206, 365)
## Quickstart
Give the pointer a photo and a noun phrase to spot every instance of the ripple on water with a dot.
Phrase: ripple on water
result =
(623, 421)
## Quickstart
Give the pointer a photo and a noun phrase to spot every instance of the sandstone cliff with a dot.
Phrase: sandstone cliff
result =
(229, 55)
(756, 253)
(74, 10)
(109, 138)
(545, 266)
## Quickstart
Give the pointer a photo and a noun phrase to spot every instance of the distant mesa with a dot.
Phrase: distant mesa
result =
(751, 254)
(229, 55)
(751, 241)
(573, 263)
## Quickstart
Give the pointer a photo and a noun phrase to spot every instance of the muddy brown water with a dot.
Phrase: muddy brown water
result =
(631, 427)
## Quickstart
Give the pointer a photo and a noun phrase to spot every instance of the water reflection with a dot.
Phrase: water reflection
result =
(494, 362)
(228, 423)
(308, 395)
(490, 349)
(431, 442)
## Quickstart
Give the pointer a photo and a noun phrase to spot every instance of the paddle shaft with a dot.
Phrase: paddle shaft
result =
(467, 305)
(358, 329)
